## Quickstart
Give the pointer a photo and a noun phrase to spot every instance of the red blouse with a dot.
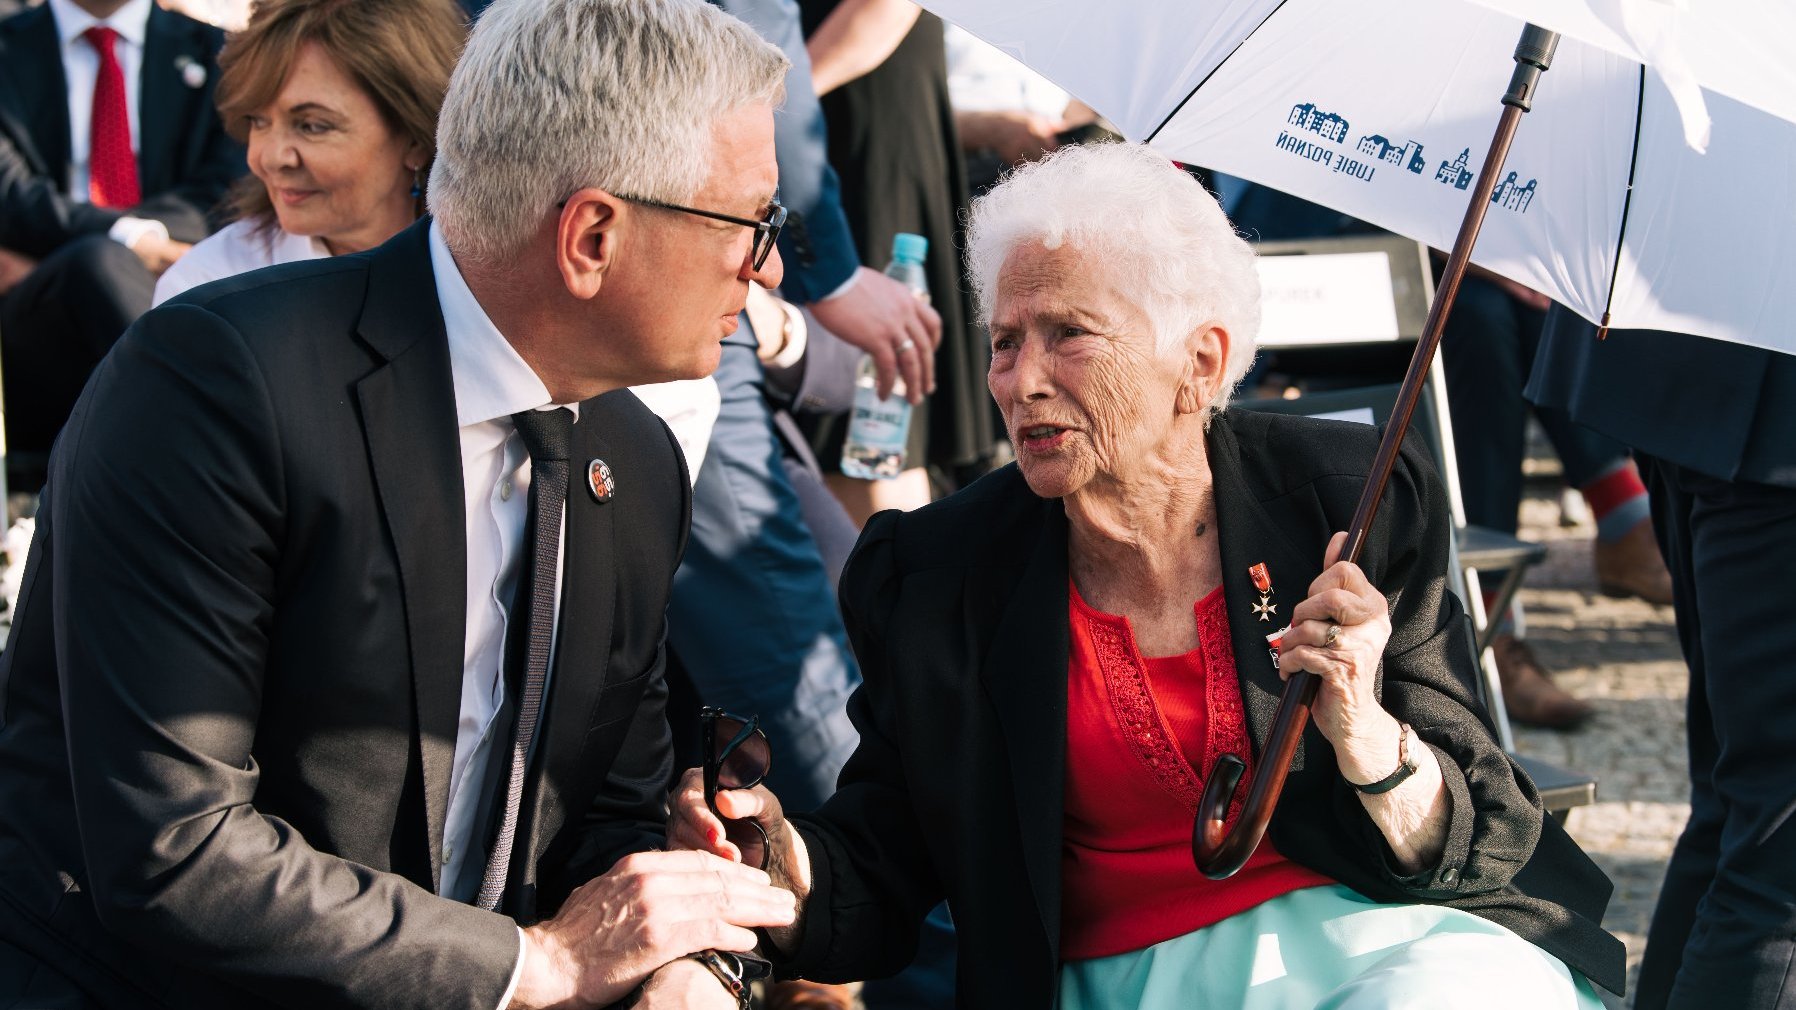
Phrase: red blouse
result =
(1136, 729)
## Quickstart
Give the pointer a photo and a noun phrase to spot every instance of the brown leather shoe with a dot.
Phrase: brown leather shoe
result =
(1632, 566)
(1529, 693)
(800, 994)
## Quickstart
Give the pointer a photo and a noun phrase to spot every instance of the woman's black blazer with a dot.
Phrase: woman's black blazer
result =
(958, 614)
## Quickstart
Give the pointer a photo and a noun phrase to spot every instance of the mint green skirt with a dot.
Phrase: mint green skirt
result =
(1330, 948)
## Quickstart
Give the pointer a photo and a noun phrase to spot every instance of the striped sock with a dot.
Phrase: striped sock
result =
(1618, 501)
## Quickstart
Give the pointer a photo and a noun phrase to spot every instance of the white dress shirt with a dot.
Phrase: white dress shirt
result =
(80, 70)
(491, 383)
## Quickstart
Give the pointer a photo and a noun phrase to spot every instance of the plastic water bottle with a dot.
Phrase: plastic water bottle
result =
(878, 429)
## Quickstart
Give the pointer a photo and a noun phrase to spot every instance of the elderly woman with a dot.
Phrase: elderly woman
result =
(1055, 657)
(338, 104)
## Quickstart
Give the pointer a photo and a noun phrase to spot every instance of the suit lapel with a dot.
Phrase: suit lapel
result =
(37, 95)
(409, 419)
(582, 644)
(1025, 675)
(1249, 536)
(162, 100)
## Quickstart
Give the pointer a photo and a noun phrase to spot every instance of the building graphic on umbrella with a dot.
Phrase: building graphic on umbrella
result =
(1511, 196)
(1454, 173)
(1406, 155)
(1307, 117)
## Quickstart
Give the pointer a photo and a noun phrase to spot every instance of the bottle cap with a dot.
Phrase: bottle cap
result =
(908, 247)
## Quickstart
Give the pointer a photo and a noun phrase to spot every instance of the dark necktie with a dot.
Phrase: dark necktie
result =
(111, 167)
(545, 434)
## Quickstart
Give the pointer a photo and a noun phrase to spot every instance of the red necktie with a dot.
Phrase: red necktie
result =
(112, 167)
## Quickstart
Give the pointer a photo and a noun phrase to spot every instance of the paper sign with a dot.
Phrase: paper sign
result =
(1325, 298)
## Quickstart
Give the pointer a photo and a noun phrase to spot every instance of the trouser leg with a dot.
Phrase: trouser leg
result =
(1738, 560)
(1692, 864)
(1486, 367)
(57, 325)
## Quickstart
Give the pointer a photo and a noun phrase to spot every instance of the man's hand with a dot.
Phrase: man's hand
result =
(14, 267)
(651, 908)
(883, 318)
(158, 253)
(685, 983)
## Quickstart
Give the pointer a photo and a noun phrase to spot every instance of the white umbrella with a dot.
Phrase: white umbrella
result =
(1384, 110)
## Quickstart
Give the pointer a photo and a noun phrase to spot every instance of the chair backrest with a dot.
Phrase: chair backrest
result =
(1367, 404)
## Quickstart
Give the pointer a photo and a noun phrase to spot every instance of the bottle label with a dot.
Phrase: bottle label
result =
(876, 435)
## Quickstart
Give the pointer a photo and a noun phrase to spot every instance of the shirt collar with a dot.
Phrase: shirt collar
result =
(131, 21)
(491, 381)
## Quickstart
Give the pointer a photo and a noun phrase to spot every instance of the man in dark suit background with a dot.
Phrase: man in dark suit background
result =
(111, 156)
(1713, 426)
(337, 676)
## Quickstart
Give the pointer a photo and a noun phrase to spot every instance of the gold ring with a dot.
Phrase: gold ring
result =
(1333, 636)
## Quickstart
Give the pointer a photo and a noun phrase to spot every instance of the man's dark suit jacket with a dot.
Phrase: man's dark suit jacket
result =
(958, 613)
(185, 160)
(231, 696)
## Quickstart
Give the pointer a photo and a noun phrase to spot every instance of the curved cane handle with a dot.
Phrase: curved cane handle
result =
(1220, 852)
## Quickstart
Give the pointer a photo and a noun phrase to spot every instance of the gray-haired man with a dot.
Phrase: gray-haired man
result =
(343, 622)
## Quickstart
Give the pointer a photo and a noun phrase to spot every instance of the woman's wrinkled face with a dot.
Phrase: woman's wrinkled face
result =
(333, 168)
(1075, 372)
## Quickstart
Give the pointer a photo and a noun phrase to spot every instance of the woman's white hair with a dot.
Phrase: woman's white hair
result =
(1160, 234)
(552, 96)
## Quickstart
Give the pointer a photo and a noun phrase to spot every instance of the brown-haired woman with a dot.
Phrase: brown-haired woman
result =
(337, 100)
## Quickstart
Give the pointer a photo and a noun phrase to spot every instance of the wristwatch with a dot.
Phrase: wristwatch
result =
(1406, 766)
(735, 971)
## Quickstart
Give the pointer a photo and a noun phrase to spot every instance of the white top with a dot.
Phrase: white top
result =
(80, 69)
(690, 406)
(238, 248)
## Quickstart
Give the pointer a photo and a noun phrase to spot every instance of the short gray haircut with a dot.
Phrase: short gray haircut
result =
(1157, 228)
(552, 96)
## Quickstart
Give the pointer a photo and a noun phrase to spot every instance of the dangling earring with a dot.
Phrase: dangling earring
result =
(417, 193)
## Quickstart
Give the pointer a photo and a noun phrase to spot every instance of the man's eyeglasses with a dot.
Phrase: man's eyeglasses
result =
(767, 229)
(737, 756)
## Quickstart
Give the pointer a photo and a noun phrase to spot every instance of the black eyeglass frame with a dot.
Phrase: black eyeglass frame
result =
(767, 229)
(714, 758)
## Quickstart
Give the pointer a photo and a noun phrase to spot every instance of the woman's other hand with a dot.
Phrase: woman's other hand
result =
(1339, 633)
(692, 825)
(1347, 710)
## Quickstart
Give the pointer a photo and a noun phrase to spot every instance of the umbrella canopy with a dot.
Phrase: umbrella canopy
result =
(1384, 111)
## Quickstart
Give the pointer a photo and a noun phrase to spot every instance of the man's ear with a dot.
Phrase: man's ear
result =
(1206, 354)
(586, 240)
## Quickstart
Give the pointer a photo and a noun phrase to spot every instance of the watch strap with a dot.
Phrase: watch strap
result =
(1406, 766)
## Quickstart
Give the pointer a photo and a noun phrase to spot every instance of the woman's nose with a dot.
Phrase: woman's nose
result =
(1033, 371)
(274, 151)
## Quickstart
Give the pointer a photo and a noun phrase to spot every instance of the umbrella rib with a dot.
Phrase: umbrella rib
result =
(1155, 132)
(1627, 200)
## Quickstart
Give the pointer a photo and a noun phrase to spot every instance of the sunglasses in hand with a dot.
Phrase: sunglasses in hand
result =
(737, 756)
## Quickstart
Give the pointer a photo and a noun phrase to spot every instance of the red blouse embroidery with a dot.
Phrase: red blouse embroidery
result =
(1138, 732)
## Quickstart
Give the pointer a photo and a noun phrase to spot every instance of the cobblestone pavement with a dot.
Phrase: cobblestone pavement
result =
(1623, 656)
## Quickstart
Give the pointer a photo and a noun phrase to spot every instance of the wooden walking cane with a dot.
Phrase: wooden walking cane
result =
(1220, 852)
